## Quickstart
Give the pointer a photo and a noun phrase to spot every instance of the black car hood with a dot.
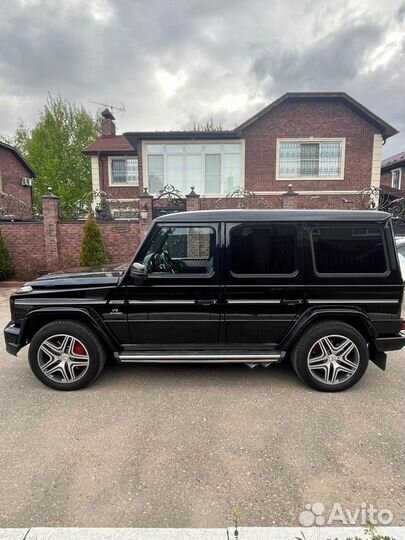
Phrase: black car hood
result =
(81, 277)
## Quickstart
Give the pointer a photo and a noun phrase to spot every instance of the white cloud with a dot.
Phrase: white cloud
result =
(174, 63)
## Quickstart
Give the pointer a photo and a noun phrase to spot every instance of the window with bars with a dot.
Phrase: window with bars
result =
(396, 178)
(124, 171)
(310, 159)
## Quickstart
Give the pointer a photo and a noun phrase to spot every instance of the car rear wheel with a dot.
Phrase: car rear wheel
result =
(66, 355)
(331, 356)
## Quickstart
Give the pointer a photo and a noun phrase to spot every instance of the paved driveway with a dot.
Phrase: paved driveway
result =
(177, 446)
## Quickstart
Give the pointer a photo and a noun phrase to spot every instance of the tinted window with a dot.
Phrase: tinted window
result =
(269, 249)
(349, 250)
(181, 250)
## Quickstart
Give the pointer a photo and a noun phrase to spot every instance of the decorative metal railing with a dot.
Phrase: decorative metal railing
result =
(12, 209)
(102, 206)
(381, 199)
(168, 200)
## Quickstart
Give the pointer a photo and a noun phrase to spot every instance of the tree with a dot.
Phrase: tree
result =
(103, 210)
(208, 126)
(54, 149)
(6, 269)
(93, 251)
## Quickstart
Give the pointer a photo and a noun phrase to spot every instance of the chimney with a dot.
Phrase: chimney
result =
(107, 124)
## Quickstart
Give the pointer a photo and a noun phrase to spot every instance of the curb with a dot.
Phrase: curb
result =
(245, 533)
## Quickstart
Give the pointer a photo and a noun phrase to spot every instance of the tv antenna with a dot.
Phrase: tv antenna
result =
(112, 108)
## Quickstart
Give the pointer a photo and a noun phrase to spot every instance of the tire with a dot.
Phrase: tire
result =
(66, 355)
(320, 345)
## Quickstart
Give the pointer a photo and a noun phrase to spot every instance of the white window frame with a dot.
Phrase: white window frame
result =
(399, 177)
(304, 140)
(110, 178)
(200, 142)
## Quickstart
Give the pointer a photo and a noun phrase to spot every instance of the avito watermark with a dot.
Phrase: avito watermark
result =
(316, 514)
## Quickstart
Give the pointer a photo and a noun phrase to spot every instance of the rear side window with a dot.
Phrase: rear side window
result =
(349, 250)
(269, 249)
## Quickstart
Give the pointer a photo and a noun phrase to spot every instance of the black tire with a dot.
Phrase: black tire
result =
(86, 336)
(304, 346)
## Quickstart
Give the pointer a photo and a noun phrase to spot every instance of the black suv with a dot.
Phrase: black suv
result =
(321, 288)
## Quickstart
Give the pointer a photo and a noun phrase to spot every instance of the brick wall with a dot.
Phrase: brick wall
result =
(11, 173)
(120, 240)
(43, 246)
(296, 119)
(26, 243)
(337, 202)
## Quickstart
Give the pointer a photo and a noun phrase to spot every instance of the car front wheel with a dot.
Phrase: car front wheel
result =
(66, 355)
(331, 356)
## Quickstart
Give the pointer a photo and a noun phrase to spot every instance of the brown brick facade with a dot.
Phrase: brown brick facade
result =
(11, 173)
(308, 119)
(117, 192)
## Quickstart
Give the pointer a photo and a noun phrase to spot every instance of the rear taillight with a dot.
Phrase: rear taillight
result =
(403, 325)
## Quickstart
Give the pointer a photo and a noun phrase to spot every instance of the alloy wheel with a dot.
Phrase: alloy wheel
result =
(63, 358)
(333, 359)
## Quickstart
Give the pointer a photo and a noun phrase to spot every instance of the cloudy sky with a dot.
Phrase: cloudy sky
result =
(173, 62)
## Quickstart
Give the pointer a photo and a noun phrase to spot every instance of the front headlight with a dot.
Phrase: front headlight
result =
(24, 290)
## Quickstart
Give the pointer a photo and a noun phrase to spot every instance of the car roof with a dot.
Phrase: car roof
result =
(275, 215)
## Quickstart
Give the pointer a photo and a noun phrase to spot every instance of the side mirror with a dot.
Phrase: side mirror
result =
(138, 271)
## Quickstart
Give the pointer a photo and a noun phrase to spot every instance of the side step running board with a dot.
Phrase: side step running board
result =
(182, 358)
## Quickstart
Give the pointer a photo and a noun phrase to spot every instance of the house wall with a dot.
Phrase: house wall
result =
(309, 119)
(11, 172)
(296, 119)
(386, 177)
(120, 192)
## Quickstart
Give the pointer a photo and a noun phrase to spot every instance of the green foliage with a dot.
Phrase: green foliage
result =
(54, 149)
(6, 269)
(370, 531)
(93, 251)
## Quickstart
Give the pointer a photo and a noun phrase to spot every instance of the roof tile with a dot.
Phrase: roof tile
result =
(115, 143)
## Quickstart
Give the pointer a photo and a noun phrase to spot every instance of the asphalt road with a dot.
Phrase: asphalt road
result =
(151, 446)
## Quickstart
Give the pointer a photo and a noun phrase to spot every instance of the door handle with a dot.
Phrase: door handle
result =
(292, 302)
(204, 302)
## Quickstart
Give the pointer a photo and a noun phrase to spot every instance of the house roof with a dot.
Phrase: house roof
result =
(135, 136)
(129, 141)
(111, 144)
(393, 161)
(386, 129)
(19, 157)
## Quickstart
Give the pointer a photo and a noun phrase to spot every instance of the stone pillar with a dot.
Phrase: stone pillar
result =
(145, 213)
(192, 201)
(50, 208)
(290, 198)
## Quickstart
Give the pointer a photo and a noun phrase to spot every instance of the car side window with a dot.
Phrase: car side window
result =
(269, 249)
(349, 249)
(181, 250)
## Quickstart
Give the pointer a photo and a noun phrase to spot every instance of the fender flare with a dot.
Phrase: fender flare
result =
(89, 315)
(315, 314)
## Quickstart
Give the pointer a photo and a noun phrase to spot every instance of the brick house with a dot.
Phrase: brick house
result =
(324, 146)
(393, 174)
(16, 175)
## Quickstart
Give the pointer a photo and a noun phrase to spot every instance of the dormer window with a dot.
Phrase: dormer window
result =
(124, 171)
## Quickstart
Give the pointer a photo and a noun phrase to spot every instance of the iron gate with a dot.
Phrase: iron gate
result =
(168, 201)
